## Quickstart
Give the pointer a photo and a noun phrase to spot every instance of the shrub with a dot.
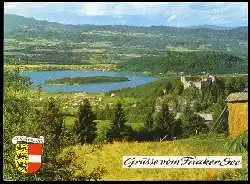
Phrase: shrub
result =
(73, 169)
(238, 144)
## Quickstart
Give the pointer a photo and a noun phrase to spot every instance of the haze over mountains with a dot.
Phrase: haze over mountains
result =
(13, 17)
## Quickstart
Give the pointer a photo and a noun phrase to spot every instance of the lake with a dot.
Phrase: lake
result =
(39, 77)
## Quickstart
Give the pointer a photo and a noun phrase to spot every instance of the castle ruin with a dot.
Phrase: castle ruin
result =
(197, 81)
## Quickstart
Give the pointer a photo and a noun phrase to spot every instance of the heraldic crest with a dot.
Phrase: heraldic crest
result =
(28, 153)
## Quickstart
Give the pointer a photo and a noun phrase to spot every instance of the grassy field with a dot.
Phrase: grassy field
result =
(110, 157)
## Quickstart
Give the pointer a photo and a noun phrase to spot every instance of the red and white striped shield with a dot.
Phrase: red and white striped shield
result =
(34, 157)
(28, 157)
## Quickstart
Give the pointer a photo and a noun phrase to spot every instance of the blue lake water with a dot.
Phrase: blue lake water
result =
(39, 77)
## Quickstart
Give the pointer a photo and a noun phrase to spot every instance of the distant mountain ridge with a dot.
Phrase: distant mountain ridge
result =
(215, 27)
(12, 17)
(41, 41)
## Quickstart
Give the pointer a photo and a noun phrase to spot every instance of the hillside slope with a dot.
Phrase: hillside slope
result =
(110, 157)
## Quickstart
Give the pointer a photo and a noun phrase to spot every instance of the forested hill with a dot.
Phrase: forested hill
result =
(30, 41)
(189, 62)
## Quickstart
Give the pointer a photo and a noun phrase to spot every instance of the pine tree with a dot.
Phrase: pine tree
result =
(149, 122)
(119, 117)
(119, 130)
(165, 120)
(85, 127)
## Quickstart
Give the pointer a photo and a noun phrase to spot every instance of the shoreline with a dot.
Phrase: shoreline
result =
(93, 67)
(51, 67)
(69, 81)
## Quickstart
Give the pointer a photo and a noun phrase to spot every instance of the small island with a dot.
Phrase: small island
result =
(83, 80)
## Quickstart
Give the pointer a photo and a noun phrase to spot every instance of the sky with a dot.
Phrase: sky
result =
(177, 14)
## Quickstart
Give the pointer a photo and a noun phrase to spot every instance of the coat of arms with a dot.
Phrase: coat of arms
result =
(28, 157)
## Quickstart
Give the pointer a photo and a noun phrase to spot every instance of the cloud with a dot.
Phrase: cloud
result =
(98, 8)
(126, 8)
(169, 13)
(172, 18)
(31, 8)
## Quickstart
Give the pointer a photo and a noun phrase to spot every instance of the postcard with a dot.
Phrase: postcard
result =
(118, 91)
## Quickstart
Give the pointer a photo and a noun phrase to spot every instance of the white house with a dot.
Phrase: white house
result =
(207, 117)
